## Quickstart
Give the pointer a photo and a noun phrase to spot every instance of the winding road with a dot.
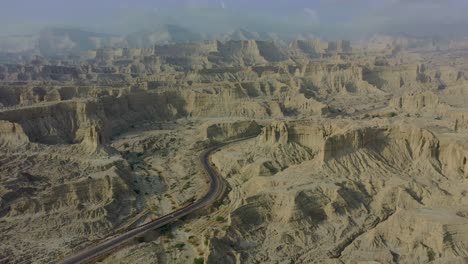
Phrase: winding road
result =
(212, 194)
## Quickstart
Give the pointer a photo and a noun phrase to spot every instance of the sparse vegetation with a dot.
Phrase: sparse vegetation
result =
(431, 254)
(166, 231)
(139, 239)
(192, 240)
(186, 186)
(207, 240)
(179, 246)
(198, 261)
(169, 235)
(190, 200)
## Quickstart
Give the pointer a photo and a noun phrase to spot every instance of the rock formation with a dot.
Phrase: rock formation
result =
(353, 216)
(12, 134)
(350, 153)
(233, 130)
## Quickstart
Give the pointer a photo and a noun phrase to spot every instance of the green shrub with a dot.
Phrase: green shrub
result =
(220, 218)
(198, 261)
(431, 254)
(139, 239)
(169, 235)
(186, 186)
(179, 245)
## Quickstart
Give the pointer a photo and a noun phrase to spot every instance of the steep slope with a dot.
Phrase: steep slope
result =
(359, 195)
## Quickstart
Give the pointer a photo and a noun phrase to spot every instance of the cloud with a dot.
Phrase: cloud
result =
(312, 14)
(223, 5)
(427, 3)
(420, 1)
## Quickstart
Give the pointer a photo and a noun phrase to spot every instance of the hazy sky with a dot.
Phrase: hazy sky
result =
(332, 17)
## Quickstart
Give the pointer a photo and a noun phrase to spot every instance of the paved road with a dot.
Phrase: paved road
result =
(213, 193)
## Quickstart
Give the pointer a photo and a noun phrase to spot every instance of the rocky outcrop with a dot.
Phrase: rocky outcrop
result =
(12, 134)
(84, 194)
(24, 95)
(274, 150)
(228, 101)
(360, 148)
(325, 79)
(275, 133)
(427, 234)
(428, 104)
(396, 77)
(68, 122)
(311, 137)
(339, 46)
(216, 53)
(338, 145)
(375, 193)
(232, 130)
(308, 48)
(417, 102)
(301, 105)
(251, 52)
(454, 157)
(316, 48)
(93, 140)
(53, 123)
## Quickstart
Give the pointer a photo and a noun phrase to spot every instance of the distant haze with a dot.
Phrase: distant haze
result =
(329, 18)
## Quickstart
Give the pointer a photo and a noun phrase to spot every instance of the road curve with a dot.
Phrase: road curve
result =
(213, 193)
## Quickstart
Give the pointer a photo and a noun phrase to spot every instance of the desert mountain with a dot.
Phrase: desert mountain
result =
(345, 154)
